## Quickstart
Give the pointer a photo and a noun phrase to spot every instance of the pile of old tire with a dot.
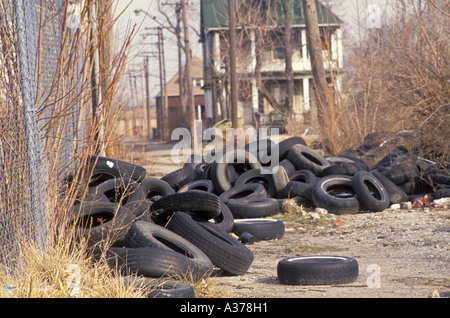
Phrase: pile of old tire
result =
(247, 193)
(114, 220)
(414, 175)
(203, 215)
(344, 184)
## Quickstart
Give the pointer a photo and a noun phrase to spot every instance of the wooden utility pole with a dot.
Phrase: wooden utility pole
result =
(181, 86)
(162, 81)
(288, 55)
(147, 98)
(188, 78)
(233, 80)
(315, 53)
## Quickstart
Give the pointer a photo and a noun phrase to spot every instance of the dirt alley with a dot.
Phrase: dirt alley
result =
(401, 253)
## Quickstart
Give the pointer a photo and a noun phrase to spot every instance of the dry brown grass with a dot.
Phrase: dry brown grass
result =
(395, 84)
(57, 273)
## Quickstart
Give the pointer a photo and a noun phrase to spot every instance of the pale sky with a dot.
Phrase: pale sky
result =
(144, 41)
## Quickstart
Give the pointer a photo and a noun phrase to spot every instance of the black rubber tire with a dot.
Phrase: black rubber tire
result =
(161, 288)
(100, 197)
(296, 189)
(370, 191)
(409, 158)
(100, 169)
(200, 184)
(154, 187)
(155, 262)
(304, 176)
(407, 187)
(274, 182)
(288, 166)
(220, 173)
(148, 234)
(442, 193)
(354, 158)
(348, 168)
(303, 157)
(336, 194)
(192, 161)
(284, 146)
(204, 204)
(223, 250)
(399, 174)
(253, 208)
(100, 221)
(202, 171)
(124, 191)
(317, 270)
(255, 176)
(438, 176)
(244, 191)
(337, 159)
(279, 178)
(262, 149)
(396, 195)
(261, 228)
(178, 178)
(388, 159)
(224, 221)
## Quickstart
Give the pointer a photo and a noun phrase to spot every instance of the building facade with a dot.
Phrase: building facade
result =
(260, 55)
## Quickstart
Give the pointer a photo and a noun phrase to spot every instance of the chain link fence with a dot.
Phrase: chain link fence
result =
(42, 121)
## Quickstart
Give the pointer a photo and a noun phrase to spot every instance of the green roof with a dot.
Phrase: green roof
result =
(214, 13)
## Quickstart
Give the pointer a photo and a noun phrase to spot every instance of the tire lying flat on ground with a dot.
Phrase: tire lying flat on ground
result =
(317, 270)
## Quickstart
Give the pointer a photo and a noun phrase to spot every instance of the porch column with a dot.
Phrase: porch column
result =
(306, 103)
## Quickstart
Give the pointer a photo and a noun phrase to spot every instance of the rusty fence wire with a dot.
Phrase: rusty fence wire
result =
(50, 72)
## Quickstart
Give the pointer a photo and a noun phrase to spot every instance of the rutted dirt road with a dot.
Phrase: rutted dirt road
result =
(401, 253)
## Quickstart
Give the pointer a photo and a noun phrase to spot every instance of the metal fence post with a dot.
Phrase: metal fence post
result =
(27, 46)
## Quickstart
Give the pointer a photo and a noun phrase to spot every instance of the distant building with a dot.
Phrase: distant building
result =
(214, 32)
(176, 117)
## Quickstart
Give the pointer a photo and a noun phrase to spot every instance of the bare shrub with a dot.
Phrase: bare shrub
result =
(397, 82)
